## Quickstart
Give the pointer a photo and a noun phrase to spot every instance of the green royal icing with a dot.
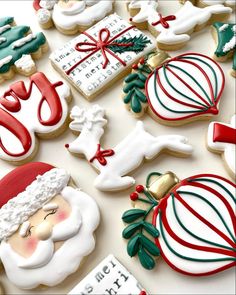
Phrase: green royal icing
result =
(6, 21)
(13, 34)
(226, 40)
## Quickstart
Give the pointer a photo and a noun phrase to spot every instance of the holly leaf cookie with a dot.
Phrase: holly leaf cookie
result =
(28, 112)
(221, 138)
(46, 225)
(225, 37)
(176, 90)
(98, 57)
(172, 32)
(18, 48)
(205, 3)
(189, 223)
(115, 164)
(71, 17)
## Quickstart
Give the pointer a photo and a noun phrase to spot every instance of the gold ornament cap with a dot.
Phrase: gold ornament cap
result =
(159, 186)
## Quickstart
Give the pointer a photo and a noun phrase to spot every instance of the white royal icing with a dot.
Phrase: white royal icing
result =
(89, 76)
(148, 10)
(47, 4)
(82, 15)
(232, 43)
(23, 41)
(114, 277)
(21, 207)
(223, 27)
(196, 226)
(67, 258)
(155, 92)
(228, 149)
(129, 153)
(212, 2)
(50, 206)
(25, 63)
(31, 123)
(187, 18)
(5, 60)
(24, 228)
(4, 28)
(43, 16)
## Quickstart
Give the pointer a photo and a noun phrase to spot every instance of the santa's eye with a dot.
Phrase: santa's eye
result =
(28, 233)
(52, 212)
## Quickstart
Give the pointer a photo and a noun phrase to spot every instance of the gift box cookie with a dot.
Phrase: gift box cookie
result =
(101, 55)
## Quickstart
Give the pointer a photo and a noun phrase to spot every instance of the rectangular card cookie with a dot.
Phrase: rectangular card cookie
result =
(109, 277)
(101, 55)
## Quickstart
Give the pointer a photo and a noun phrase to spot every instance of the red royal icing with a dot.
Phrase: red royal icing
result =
(164, 20)
(36, 5)
(101, 44)
(223, 133)
(19, 92)
(101, 155)
(17, 180)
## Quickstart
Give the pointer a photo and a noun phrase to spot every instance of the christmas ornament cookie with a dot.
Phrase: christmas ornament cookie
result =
(18, 48)
(221, 138)
(46, 225)
(109, 277)
(225, 37)
(39, 109)
(71, 17)
(101, 55)
(174, 90)
(189, 223)
(115, 164)
(204, 3)
(172, 32)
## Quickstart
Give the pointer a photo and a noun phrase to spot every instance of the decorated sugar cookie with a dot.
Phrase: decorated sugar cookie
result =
(46, 225)
(174, 90)
(190, 223)
(115, 164)
(174, 31)
(221, 138)
(115, 279)
(73, 16)
(99, 56)
(204, 3)
(18, 48)
(39, 109)
(225, 37)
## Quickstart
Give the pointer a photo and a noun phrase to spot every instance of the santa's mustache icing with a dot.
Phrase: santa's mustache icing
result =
(47, 194)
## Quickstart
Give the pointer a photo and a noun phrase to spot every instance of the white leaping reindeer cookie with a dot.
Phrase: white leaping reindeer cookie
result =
(221, 138)
(204, 3)
(173, 31)
(114, 164)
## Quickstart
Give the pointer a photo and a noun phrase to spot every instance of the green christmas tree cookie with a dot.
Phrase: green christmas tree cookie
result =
(17, 48)
(225, 36)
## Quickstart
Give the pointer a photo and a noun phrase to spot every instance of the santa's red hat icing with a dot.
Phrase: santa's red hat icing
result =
(25, 190)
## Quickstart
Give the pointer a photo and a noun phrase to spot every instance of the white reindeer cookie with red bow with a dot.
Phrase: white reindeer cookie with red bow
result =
(46, 225)
(114, 165)
(73, 16)
(39, 109)
(98, 57)
(221, 138)
(205, 3)
(172, 32)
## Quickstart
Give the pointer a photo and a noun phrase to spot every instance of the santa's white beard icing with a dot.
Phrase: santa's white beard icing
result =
(49, 267)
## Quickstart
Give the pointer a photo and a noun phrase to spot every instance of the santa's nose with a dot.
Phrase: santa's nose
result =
(44, 230)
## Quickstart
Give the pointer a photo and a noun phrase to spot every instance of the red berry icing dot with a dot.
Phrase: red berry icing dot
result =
(143, 293)
(134, 66)
(134, 196)
(142, 61)
(140, 188)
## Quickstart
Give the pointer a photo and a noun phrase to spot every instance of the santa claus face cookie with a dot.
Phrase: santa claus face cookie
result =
(28, 112)
(45, 225)
(72, 16)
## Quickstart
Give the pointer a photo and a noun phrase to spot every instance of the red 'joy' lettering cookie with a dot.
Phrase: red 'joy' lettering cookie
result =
(26, 111)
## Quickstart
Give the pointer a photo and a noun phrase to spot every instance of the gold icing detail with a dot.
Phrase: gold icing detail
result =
(161, 185)
(157, 59)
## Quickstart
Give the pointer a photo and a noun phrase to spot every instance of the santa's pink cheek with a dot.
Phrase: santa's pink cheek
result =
(61, 215)
(31, 245)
